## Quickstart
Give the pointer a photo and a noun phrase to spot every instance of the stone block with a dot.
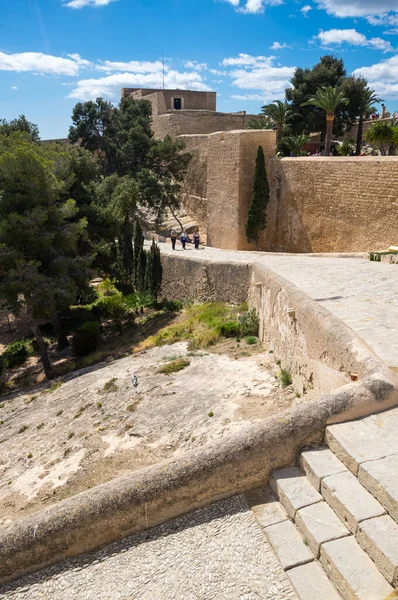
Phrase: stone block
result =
(379, 538)
(288, 545)
(266, 507)
(293, 489)
(356, 442)
(318, 524)
(380, 477)
(349, 499)
(352, 571)
(318, 463)
(311, 583)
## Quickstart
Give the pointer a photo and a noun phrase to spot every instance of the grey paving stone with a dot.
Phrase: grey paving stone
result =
(318, 524)
(380, 477)
(288, 545)
(318, 463)
(293, 489)
(349, 499)
(379, 538)
(311, 583)
(352, 571)
(356, 442)
(265, 506)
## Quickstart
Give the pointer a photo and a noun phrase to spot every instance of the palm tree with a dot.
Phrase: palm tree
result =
(260, 122)
(368, 98)
(277, 112)
(295, 143)
(383, 135)
(329, 99)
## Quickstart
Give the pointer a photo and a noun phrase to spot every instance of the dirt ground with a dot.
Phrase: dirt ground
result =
(96, 425)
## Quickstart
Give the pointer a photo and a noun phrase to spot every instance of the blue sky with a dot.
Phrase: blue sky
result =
(54, 53)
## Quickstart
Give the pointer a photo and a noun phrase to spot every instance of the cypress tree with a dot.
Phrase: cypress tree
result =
(257, 214)
(153, 271)
(139, 257)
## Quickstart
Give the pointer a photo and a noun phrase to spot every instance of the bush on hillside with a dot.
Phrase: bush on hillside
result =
(230, 329)
(15, 354)
(86, 339)
(114, 308)
(250, 324)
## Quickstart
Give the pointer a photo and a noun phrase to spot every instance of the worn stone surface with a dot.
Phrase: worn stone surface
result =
(288, 545)
(380, 477)
(379, 538)
(311, 583)
(217, 552)
(293, 489)
(318, 524)
(265, 506)
(359, 441)
(349, 499)
(318, 463)
(352, 571)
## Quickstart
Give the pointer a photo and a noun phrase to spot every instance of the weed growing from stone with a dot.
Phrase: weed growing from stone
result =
(40, 426)
(278, 362)
(174, 366)
(30, 399)
(286, 378)
(1, 405)
(30, 455)
(1, 422)
(80, 411)
(59, 413)
(70, 435)
(210, 414)
(99, 404)
(23, 428)
(110, 386)
(67, 451)
(56, 385)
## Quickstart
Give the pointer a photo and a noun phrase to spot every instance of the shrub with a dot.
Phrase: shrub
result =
(171, 305)
(286, 378)
(86, 339)
(174, 366)
(113, 308)
(15, 354)
(251, 339)
(250, 324)
(229, 329)
(106, 288)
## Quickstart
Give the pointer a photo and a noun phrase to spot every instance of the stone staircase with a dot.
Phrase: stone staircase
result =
(332, 521)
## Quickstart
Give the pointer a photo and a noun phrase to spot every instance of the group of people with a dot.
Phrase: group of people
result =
(184, 239)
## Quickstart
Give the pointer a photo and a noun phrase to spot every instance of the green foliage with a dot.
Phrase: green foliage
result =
(171, 305)
(250, 324)
(210, 414)
(251, 340)
(86, 339)
(286, 378)
(153, 271)
(257, 215)
(295, 143)
(328, 99)
(345, 148)
(114, 308)
(260, 122)
(278, 113)
(21, 124)
(230, 329)
(383, 135)
(174, 366)
(15, 354)
(139, 300)
(110, 386)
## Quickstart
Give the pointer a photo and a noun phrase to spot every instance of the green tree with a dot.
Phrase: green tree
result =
(124, 204)
(20, 124)
(257, 214)
(384, 136)
(278, 113)
(153, 271)
(41, 270)
(139, 258)
(365, 99)
(295, 143)
(328, 99)
(260, 122)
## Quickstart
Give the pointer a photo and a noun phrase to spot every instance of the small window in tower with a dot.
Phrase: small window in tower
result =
(177, 104)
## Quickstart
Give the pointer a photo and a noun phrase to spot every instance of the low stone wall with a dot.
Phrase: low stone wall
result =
(323, 346)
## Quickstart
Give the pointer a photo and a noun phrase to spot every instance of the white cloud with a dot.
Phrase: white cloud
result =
(217, 72)
(253, 6)
(371, 9)
(306, 9)
(197, 66)
(382, 76)
(249, 97)
(134, 66)
(354, 38)
(39, 63)
(259, 73)
(84, 3)
(279, 46)
(14, 87)
(109, 87)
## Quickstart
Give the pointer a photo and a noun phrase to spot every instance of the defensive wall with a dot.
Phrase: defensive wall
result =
(342, 377)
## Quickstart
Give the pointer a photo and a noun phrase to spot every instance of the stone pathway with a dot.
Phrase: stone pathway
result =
(361, 293)
(219, 552)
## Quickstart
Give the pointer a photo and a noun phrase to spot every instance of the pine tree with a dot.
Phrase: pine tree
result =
(257, 214)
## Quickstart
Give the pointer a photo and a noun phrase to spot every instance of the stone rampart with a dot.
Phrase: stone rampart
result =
(333, 204)
(237, 462)
(195, 122)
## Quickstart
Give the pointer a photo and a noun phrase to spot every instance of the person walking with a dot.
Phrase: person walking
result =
(173, 236)
(134, 379)
(183, 239)
(196, 239)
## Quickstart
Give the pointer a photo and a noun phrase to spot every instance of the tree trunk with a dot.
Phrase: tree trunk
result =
(176, 218)
(59, 332)
(42, 347)
(279, 130)
(359, 136)
(329, 131)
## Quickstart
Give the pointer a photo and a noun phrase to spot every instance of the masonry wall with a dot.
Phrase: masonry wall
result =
(194, 195)
(333, 204)
(196, 123)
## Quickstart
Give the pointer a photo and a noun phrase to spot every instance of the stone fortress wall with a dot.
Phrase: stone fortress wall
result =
(336, 204)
